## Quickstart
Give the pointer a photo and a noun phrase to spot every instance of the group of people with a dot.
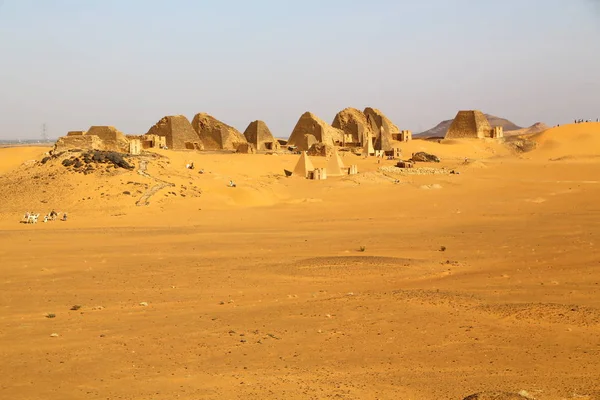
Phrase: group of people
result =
(31, 218)
(581, 121)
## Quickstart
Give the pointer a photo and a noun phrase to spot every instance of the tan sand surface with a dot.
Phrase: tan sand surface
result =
(357, 287)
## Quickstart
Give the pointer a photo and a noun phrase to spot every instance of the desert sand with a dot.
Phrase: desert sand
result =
(437, 286)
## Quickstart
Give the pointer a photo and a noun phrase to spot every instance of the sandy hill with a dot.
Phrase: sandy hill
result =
(440, 129)
(573, 141)
(533, 129)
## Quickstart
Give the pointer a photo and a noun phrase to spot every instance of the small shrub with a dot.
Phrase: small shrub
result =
(362, 249)
(67, 162)
(50, 315)
(443, 248)
(75, 307)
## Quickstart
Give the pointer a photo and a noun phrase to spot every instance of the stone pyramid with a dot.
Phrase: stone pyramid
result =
(382, 129)
(216, 135)
(178, 132)
(335, 165)
(311, 125)
(259, 135)
(469, 124)
(304, 166)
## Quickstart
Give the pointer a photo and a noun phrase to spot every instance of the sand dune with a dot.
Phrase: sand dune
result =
(577, 141)
(357, 287)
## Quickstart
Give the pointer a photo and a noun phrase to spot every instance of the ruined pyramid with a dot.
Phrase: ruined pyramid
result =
(216, 135)
(178, 132)
(259, 135)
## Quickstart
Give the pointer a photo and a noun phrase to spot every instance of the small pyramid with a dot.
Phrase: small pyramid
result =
(304, 166)
(335, 165)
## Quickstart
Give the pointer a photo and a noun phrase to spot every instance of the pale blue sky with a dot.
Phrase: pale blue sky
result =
(127, 63)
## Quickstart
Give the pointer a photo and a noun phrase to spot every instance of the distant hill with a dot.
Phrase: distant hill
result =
(533, 129)
(440, 129)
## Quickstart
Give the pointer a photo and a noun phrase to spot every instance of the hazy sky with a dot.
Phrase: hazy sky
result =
(127, 63)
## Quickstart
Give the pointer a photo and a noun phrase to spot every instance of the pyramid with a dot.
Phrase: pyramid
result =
(216, 135)
(304, 166)
(469, 124)
(112, 138)
(310, 124)
(259, 135)
(354, 124)
(335, 165)
(177, 131)
(382, 127)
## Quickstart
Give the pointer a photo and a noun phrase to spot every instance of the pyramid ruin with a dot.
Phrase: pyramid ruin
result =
(216, 135)
(355, 126)
(259, 135)
(335, 165)
(469, 124)
(106, 138)
(383, 129)
(310, 124)
(304, 166)
(177, 131)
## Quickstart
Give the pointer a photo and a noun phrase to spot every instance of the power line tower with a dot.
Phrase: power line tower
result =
(44, 132)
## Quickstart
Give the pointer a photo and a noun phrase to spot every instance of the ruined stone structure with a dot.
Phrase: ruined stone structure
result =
(469, 124)
(216, 135)
(106, 138)
(259, 135)
(83, 142)
(368, 149)
(318, 174)
(382, 128)
(355, 126)
(402, 136)
(112, 138)
(497, 132)
(153, 141)
(135, 146)
(310, 124)
(178, 133)
(246, 148)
